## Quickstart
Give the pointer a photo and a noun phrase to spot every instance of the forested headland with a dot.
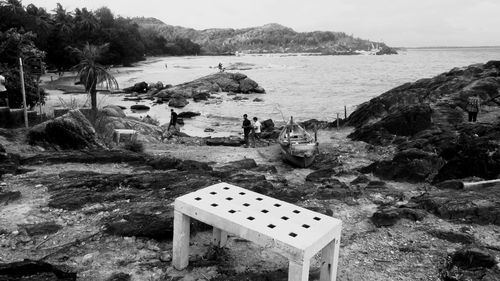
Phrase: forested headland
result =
(28, 31)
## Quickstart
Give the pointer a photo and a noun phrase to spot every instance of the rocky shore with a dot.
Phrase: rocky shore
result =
(79, 208)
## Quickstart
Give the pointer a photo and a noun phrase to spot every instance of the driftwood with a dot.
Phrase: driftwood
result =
(482, 183)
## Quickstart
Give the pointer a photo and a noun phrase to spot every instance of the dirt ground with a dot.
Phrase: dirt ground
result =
(405, 251)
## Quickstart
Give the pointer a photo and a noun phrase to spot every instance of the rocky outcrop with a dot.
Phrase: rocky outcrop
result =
(446, 94)
(428, 116)
(470, 263)
(70, 131)
(201, 88)
(145, 132)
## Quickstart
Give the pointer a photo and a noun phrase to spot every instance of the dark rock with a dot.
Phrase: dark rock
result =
(208, 130)
(35, 270)
(259, 90)
(390, 216)
(178, 102)
(322, 176)
(141, 87)
(387, 51)
(224, 141)
(452, 236)
(258, 100)
(120, 276)
(480, 206)
(376, 185)
(337, 190)
(267, 125)
(159, 227)
(70, 131)
(361, 179)
(193, 166)
(244, 164)
(314, 124)
(410, 165)
(247, 85)
(8, 196)
(42, 228)
(450, 184)
(473, 257)
(188, 114)
(139, 107)
(403, 121)
(85, 156)
(198, 96)
(164, 163)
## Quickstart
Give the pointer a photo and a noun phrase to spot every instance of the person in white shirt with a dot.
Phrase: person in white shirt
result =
(256, 130)
(4, 98)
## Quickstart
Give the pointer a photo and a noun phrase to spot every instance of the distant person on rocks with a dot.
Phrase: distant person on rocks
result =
(473, 107)
(247, 128)
(221, 69)
(4, 97)
(173, 119)
(256, 130)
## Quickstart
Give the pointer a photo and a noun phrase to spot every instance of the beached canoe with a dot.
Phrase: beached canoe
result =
(298, 147)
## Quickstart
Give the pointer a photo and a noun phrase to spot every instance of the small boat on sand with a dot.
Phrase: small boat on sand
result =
(298, 147)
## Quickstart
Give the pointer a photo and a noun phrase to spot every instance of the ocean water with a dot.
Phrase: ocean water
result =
(301, 86)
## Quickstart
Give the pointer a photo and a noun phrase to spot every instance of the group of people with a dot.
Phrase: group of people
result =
(251, 130)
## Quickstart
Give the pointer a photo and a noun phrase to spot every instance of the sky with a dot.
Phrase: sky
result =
(398, 23)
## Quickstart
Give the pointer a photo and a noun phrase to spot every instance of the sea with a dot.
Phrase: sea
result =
(304, 86)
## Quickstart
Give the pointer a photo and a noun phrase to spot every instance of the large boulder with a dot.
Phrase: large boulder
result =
(403, 121)
(141, 87)
(178, 102)
(70, 131)
(247, 85)
(411, 165)
(145, 132)
(113, 111)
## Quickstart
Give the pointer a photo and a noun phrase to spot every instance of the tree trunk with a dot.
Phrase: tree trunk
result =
(93, 97)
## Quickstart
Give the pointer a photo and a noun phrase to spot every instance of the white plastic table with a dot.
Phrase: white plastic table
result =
(294, 232)
(127, 132)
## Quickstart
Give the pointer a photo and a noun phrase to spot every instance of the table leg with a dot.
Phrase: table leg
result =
(330, 260)
(180, 251)
(219, 238)
(298, 271)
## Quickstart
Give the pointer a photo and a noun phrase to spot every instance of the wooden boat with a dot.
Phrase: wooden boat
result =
(298, 147)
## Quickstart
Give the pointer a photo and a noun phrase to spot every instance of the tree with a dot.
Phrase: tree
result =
(90, 72)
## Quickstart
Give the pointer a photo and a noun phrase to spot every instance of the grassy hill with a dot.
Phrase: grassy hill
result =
(270, 38)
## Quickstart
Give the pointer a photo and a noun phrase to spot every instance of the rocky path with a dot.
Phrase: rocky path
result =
(112, 219)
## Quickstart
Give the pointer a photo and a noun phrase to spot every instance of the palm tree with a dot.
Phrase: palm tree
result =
(90, 72)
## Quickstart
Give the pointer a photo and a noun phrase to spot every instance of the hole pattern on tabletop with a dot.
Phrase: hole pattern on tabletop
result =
(197, 198)
(250, 218)
(229, 198)
(271, 225)
(242, 193)
(296, 211)
(246, 204)
(259, 199)
(213, 192)
(305, 226)
(214, 205)
(277, 205)
(292, 234)
(316, 218)
(226, 188)
(284, 218)
(232, 211)
(265, 211)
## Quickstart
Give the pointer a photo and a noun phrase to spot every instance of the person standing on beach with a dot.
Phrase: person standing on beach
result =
(256, 130)
(4, 97)
(247, 128)
(473, 107)
(173, 119)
